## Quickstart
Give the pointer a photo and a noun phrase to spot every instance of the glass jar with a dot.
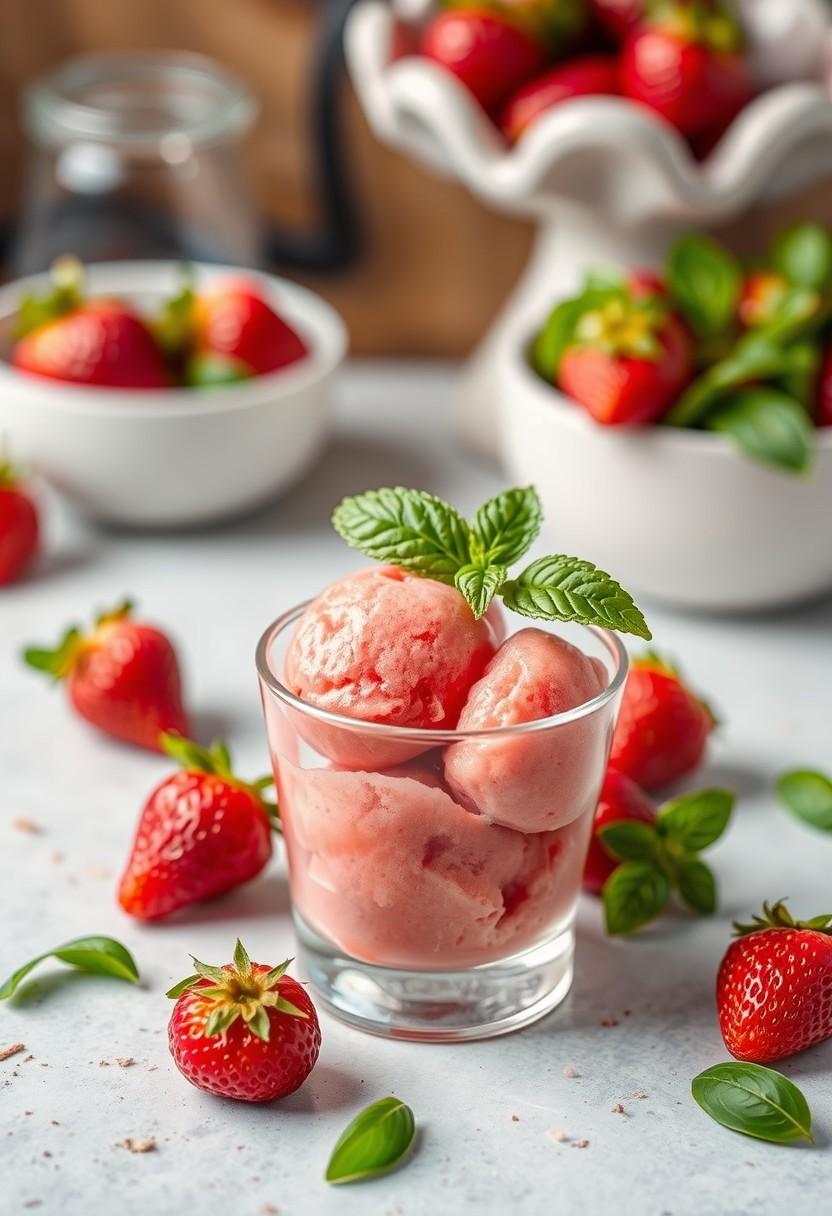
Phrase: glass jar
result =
(416, 916)
(136, 156)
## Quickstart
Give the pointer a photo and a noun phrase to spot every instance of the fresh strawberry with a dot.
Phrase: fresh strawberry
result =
(774, 987)
(823, 414)
(762, 296)
(617, 17)
(620, 799)
(233, 322)
(489, 56)
(202, 832)
(591, 75)
(685, 61)
(662, 728)
(97, 342)
(628, 359)
(123, 677)
(19, 527)
(243, 1031)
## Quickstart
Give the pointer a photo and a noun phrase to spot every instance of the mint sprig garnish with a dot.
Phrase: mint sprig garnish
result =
(659, 859)
(424, 535)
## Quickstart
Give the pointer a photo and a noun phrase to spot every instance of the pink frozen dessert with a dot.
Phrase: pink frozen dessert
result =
(533, 782)
(384, 646)
(389, 867)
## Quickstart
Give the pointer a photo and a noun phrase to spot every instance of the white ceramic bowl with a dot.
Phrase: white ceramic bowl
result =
(174, 456)
(680, 516)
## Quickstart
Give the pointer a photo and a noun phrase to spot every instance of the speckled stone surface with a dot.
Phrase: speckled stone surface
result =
(640, 1020)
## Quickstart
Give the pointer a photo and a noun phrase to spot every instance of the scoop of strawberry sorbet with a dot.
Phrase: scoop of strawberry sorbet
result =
(542, 780)
(384, 646)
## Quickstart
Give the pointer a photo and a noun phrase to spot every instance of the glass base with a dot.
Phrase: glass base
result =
(439, 1006)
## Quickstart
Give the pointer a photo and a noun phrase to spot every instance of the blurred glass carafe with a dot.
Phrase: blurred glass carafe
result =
(136, 156)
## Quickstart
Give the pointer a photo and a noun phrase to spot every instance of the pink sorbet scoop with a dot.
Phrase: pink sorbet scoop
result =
(538, 781)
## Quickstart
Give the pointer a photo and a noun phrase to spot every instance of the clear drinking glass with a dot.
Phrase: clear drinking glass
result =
(417, 918)
(136, 155)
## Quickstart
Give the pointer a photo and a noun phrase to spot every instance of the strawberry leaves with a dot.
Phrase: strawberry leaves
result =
(96, 955)
(659, 859)
(425, 536)
(755, 1101)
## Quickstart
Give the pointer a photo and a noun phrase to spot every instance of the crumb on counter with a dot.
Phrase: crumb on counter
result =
(555, 1133)
(12, 1050)
(138, 1146)
(580, 1144)
(569, 1071)
(22, 824)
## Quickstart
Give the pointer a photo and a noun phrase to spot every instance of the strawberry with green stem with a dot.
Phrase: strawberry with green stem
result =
(202, 832)
(774, 987)
(656, 859)
(243, 1031)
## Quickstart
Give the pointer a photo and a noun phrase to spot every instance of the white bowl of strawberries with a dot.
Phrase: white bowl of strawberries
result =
(155, 397)
(679, 426)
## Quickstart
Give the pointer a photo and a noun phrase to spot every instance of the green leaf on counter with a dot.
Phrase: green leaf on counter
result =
(803, 255)
(479, 585)
(410, 529)
(755, 1101)
(695, 821)
(697, 886)
(561, 588)
(768, 426)
(705, 281)
(377, 1140)
(808, 795)
(504, 527)
(98, 955)
(633, 895)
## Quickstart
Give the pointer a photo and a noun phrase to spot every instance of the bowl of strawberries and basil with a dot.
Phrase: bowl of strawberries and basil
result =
(154, 394)
(678, 424)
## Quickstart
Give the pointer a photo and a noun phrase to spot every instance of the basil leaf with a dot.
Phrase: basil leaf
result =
(557, 334)
(768, 426)
(628, 840)
(479, 585)
(505, 526)
(633, 895)
(803, 255)
(568, 589)
(754, 1100)
(695, 821)
(697, 886)
(376, 1141)
(99, 955)
(755, 357)
(705, 282)
(808, 795)
(407, 528)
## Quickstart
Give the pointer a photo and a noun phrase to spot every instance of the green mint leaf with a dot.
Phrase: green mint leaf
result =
(505, 527)
(697, 886)
(754, 1100)
(98, 955)
(628, 840)
(407, 528)
(755, 357)
(558, 333)
(479, 585)
(768, 426)
(376, 1141)
(803, 255)
(705, 282)
(801, 380)
(695, 821)
(633, 895)
(568, 589)
(808, 795)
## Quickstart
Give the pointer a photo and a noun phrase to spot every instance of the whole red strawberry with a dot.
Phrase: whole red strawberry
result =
(123, 677)
(19, 528)
(201, 833)
(662, 728)
(823, 414)
(685, 61)
(774, 987)
(488, 55)
(243, 1031)
(589, 76)
(620, 799)
(96, 342)
(628, 359)
(235, 328)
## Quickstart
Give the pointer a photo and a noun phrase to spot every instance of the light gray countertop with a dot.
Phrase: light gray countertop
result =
(63, 1113)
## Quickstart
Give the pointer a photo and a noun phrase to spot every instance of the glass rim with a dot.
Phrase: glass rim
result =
(413, 734)
(54, 116)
